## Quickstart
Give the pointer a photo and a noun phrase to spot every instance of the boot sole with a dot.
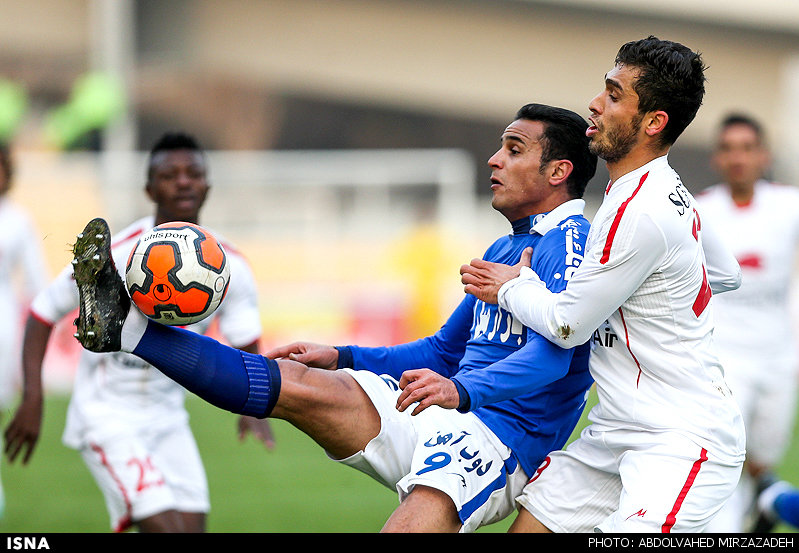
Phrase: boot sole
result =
(98, 304)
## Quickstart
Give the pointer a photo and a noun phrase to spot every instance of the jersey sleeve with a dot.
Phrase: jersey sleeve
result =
(440, 352)
(34, 267)
(239, 316)
(58, 299)
(723, 270)
(570, 317)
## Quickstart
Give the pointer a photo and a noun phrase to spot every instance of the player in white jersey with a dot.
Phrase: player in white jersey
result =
(665, 446)
(759, 222)
(125, 417)
(23, 272)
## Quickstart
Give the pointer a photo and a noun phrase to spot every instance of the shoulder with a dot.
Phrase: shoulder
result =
(778, 191)
(573, 229)
(242, 276)
(498, 246)
(661, 197)
(238, 261)
(14, 215)
(713, 192)
(126, 238)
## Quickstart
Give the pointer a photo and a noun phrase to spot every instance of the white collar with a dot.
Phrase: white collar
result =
(636, 174)
(552, 219)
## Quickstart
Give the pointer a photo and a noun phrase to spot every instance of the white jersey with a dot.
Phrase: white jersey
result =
(642, 296)
(764, 237)
(118, 388)
(23, 273)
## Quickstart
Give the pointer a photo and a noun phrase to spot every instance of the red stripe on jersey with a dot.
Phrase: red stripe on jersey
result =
(40, 318)
(615, 226)
(672, 517)
(705, 293)
(134, 234)
(627, 341)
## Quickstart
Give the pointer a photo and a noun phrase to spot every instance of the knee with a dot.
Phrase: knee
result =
(425, 510)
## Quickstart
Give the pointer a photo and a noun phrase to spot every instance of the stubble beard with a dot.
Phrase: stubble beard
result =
(618, 142)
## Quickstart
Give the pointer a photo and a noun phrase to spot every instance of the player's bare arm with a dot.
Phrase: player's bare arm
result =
(22, 433)
(483, 279)
(427, 388)
(319, 356)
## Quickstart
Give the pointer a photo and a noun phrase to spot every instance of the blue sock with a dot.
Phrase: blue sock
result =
(228, 378)
(787, 506)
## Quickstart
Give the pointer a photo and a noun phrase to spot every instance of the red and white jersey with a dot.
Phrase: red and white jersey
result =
(754, 323)
(113, 389)
(643, 298)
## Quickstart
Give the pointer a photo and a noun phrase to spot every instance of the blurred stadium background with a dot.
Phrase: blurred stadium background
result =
(347, 145)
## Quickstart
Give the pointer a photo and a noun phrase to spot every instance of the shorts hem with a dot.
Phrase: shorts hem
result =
(548, 522)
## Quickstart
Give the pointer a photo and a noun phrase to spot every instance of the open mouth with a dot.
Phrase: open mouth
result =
(592, 129)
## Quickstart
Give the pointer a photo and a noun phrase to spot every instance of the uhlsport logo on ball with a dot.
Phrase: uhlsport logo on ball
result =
(178, 273)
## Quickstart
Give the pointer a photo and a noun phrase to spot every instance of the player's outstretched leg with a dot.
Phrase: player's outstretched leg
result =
(327, 405)
(248, 384)
(104, 302)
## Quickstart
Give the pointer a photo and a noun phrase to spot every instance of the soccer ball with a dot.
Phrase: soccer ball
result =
(177, 274)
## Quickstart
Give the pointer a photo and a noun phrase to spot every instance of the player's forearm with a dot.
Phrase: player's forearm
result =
(532, 304)
(34, 346)
(440, 352)
(596, 289)
(394, 360)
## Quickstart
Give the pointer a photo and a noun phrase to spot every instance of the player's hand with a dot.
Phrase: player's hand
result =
(307, 353)
(22, 433)
(483, 279)
(259, 428)
(427, 388)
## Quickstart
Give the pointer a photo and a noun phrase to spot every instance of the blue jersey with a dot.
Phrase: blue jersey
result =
(527, 390)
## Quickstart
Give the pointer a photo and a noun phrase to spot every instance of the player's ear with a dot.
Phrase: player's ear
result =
(655, 122)
(148, 189)
(559, 171)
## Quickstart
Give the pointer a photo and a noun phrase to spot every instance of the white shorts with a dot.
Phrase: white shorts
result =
(147, 473)
(627, 481)
(442, 449)
(767, 396)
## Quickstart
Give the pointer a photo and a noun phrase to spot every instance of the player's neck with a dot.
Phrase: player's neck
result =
(742, 195)
(161, 218)
(637, 158)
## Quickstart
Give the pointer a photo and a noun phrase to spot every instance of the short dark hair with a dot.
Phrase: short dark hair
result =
(672, 79)
(171, 141)
(564, 138)
(742, 119)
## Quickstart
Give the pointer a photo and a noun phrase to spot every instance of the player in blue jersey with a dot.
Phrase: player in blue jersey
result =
(459, 464)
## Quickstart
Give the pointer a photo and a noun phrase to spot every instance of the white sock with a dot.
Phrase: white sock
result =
(133, 329)
(766, 499)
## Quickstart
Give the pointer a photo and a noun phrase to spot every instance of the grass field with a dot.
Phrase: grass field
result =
(293, 488)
